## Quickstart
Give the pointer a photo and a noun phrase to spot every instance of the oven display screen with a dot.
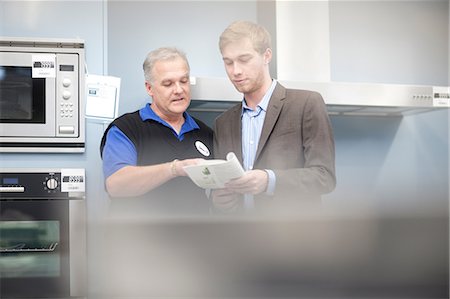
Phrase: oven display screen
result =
(29, 249)
(10, 181)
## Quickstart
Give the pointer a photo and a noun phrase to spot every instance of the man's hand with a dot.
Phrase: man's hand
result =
(252, 182)
(177, 165)
(225, 200)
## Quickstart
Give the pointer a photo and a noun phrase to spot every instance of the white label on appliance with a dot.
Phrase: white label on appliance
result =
(441, 102)
(43, 66)
(441, 96)
(73, 180)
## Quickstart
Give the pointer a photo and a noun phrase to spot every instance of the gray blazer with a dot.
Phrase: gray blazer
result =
(296, 143)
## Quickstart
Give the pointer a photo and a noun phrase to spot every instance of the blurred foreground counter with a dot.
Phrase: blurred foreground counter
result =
(315, 255)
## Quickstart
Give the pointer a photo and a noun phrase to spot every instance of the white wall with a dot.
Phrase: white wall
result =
(303, 40)
(193, 26)
(404, 42)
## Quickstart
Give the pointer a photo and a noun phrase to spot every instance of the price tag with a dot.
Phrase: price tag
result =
(44, 66)
(73, 180)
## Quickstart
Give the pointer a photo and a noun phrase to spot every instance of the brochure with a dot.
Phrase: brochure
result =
(213, 174)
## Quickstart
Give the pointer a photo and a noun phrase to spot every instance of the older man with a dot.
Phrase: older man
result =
(144, 152)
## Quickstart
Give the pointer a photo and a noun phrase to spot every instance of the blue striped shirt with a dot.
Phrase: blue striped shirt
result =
(252, 123)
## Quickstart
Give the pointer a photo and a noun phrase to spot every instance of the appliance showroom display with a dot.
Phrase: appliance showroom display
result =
(43, 233)
(42, 95)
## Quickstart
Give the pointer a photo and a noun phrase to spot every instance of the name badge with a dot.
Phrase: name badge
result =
(202, 148)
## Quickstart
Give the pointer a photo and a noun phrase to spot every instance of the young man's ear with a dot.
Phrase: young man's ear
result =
(268, 56)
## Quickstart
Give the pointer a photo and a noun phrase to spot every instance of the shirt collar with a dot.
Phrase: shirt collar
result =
(147, 113)
(264, 103)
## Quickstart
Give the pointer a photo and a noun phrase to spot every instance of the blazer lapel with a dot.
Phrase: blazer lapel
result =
(272, 114)
(236, 132)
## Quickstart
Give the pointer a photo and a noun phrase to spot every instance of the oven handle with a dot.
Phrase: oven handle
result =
(19, 249)
(12, 189)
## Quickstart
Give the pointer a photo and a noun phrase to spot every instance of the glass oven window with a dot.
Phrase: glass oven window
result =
(22, 98)
(34, 248)
(29, 249)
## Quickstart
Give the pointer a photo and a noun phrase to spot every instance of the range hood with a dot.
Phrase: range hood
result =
(302, 41)
(342, 98)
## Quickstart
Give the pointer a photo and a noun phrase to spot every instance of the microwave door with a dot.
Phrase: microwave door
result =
(27, 104)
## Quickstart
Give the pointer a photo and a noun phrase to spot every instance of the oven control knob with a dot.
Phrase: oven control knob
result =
(52, 184)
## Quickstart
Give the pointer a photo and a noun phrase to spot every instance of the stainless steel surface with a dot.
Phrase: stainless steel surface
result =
(41, 42)
(78, 248)
(28, 170)
(62, 131)
(343, 98)
(38, 149)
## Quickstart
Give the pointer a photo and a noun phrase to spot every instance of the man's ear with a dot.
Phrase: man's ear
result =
(267, 56)
(148, 88)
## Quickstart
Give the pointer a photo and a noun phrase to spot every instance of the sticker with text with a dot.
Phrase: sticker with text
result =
(44, 66)
(73, 180)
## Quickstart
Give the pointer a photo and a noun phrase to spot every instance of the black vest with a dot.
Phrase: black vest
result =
(155, 144)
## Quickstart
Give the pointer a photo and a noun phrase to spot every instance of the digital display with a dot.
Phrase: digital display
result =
(66, 68)
(10, 181)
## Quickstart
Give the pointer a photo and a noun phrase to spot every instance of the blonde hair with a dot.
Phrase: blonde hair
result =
(238, 30)
(164, 53)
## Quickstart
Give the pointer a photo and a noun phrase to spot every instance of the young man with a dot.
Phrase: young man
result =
(144, 152)
(283, 137)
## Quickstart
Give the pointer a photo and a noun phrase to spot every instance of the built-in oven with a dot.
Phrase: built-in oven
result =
(42, 95)
(42, 233)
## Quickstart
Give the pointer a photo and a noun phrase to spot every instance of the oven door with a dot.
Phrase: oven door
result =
(34, 248)
(27, 100)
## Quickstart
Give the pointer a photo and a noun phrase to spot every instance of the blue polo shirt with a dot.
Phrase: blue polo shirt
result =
(119, 150)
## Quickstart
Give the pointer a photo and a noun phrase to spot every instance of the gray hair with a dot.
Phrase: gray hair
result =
(161, 54)
(236, 31)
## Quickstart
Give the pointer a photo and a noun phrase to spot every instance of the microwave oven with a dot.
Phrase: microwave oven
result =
(42, 95)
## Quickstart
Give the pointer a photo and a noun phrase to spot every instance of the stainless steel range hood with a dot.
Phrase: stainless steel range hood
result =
(343, 98)
(302, 46)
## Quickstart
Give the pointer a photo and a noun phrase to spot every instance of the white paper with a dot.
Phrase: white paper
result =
(73, 180)
(213, 174)
(102, 96)
(43, 66)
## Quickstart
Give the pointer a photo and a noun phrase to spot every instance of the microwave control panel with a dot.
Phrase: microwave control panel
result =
(67, 97)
